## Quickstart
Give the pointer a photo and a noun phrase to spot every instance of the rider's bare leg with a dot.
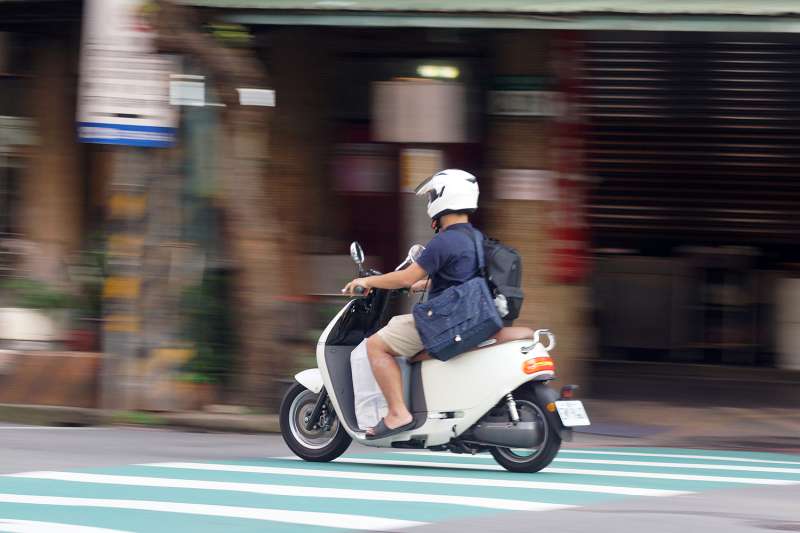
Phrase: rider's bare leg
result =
(390, 380)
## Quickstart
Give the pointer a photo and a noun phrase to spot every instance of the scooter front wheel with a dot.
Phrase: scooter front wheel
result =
(322, 443)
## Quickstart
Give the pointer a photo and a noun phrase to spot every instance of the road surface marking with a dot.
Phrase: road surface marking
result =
(292, 490)
(735, 468)
(669, 456)
(699, 466)
(366, 491)
(72, 428)
(28, 526)
(442, 480)
(580, 471)
(309, 518)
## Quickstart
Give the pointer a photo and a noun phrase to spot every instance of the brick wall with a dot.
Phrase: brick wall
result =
(522, 143)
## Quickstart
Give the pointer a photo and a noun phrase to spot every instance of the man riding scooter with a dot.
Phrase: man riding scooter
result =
(449, 259)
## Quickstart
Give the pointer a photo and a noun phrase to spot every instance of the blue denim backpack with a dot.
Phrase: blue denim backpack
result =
(461, 317)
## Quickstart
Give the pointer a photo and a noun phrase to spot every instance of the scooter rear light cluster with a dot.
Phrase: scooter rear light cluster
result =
(538, 364)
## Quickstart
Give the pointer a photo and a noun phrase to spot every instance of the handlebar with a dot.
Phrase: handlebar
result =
(359, 290)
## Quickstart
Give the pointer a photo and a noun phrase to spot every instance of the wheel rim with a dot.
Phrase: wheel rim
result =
(519, 455)
(301, 408)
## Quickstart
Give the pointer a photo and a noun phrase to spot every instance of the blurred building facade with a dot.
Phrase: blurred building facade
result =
(646, 175)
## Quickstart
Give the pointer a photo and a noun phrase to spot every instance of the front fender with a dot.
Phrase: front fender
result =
(310, 379)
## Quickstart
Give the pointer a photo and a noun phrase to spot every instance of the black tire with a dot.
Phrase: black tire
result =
(314, 445)
(527, 399)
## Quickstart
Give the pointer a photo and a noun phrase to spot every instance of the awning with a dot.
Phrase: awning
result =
(672, 15)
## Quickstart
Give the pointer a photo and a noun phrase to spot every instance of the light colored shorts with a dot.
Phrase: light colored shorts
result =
(400, 334)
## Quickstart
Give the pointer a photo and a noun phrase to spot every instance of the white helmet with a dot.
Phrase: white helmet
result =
(448, 191)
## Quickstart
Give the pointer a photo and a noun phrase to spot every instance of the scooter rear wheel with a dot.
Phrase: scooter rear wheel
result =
(318, 444)
(530, 408)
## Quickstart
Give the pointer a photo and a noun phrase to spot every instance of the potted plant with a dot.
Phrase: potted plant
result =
(33, 315)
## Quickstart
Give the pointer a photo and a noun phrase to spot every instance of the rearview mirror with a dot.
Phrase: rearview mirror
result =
(357, 253)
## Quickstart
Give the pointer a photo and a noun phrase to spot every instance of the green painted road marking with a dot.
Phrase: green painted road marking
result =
(682, 456)
(710, 471)
(302, 517)
(374, 494)
(464, 486)
(385, 490)
(698, 452)
(149, 521)
(30, 526)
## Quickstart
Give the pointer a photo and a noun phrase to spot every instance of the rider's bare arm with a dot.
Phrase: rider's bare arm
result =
(400, 279)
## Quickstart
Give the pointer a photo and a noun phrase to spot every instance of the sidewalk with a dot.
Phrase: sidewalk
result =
(629, 423)
(663, 424)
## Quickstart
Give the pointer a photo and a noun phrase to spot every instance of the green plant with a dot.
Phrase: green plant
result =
(32, 294)
(88, 272)
(194, 377)
(208, 324)
(138, 418)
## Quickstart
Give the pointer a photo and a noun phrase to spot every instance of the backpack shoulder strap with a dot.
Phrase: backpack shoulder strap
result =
(477, 240)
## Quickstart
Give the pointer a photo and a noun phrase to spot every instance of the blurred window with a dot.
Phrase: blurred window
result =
(10, 170)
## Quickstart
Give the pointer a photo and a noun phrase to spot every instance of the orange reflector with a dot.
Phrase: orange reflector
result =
(538, 364)
(551, 407)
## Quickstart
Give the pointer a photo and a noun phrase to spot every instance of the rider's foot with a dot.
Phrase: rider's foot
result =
(394, 421)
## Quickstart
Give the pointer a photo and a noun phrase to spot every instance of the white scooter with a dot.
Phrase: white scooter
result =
(493, 398)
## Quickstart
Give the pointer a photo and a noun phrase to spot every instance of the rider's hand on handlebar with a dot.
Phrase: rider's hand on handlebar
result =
(419, 286)
(359, 287)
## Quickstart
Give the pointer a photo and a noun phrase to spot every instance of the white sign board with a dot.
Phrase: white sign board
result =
(187, 90)
(124, 89)
(525, 184)
(419, 111)
(524, 103)
(16, 131)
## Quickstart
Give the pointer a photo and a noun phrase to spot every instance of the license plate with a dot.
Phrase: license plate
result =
(572, 413)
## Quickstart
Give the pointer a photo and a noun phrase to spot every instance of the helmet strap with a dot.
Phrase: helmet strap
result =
(436, 224)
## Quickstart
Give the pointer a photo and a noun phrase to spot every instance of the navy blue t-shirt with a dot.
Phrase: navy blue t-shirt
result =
(450, 258)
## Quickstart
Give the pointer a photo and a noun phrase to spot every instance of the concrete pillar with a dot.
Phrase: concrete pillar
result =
(522, 143)
(300, 70)
(52, 188)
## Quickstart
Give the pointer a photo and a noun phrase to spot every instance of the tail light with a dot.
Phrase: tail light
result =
(538, 364)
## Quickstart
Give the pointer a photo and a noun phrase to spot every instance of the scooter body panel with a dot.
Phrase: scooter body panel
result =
(457, 392)
(460, 391)
(473, 379)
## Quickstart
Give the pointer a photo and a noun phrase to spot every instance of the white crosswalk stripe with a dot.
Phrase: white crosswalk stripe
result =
(671, 456)
(300, 491)
(29, 526)
(309, 518)
(704, 466)
(694, 466)
(580, 471)
(383, 491)
(416, 478)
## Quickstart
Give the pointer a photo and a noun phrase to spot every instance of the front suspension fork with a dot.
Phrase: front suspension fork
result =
(313, 418)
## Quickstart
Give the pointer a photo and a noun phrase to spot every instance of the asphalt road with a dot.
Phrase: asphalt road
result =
(102, 480)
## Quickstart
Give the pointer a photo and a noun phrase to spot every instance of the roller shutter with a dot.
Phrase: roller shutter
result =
(693, 138)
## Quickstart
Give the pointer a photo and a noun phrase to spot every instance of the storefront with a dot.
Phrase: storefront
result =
(693, 144)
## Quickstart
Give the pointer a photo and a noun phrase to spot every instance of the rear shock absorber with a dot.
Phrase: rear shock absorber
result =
(512, 408)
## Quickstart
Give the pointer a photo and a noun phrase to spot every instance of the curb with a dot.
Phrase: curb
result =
(224, 423)
(50, 415)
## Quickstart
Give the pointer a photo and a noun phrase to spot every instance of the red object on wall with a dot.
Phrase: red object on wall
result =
(568, 230)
